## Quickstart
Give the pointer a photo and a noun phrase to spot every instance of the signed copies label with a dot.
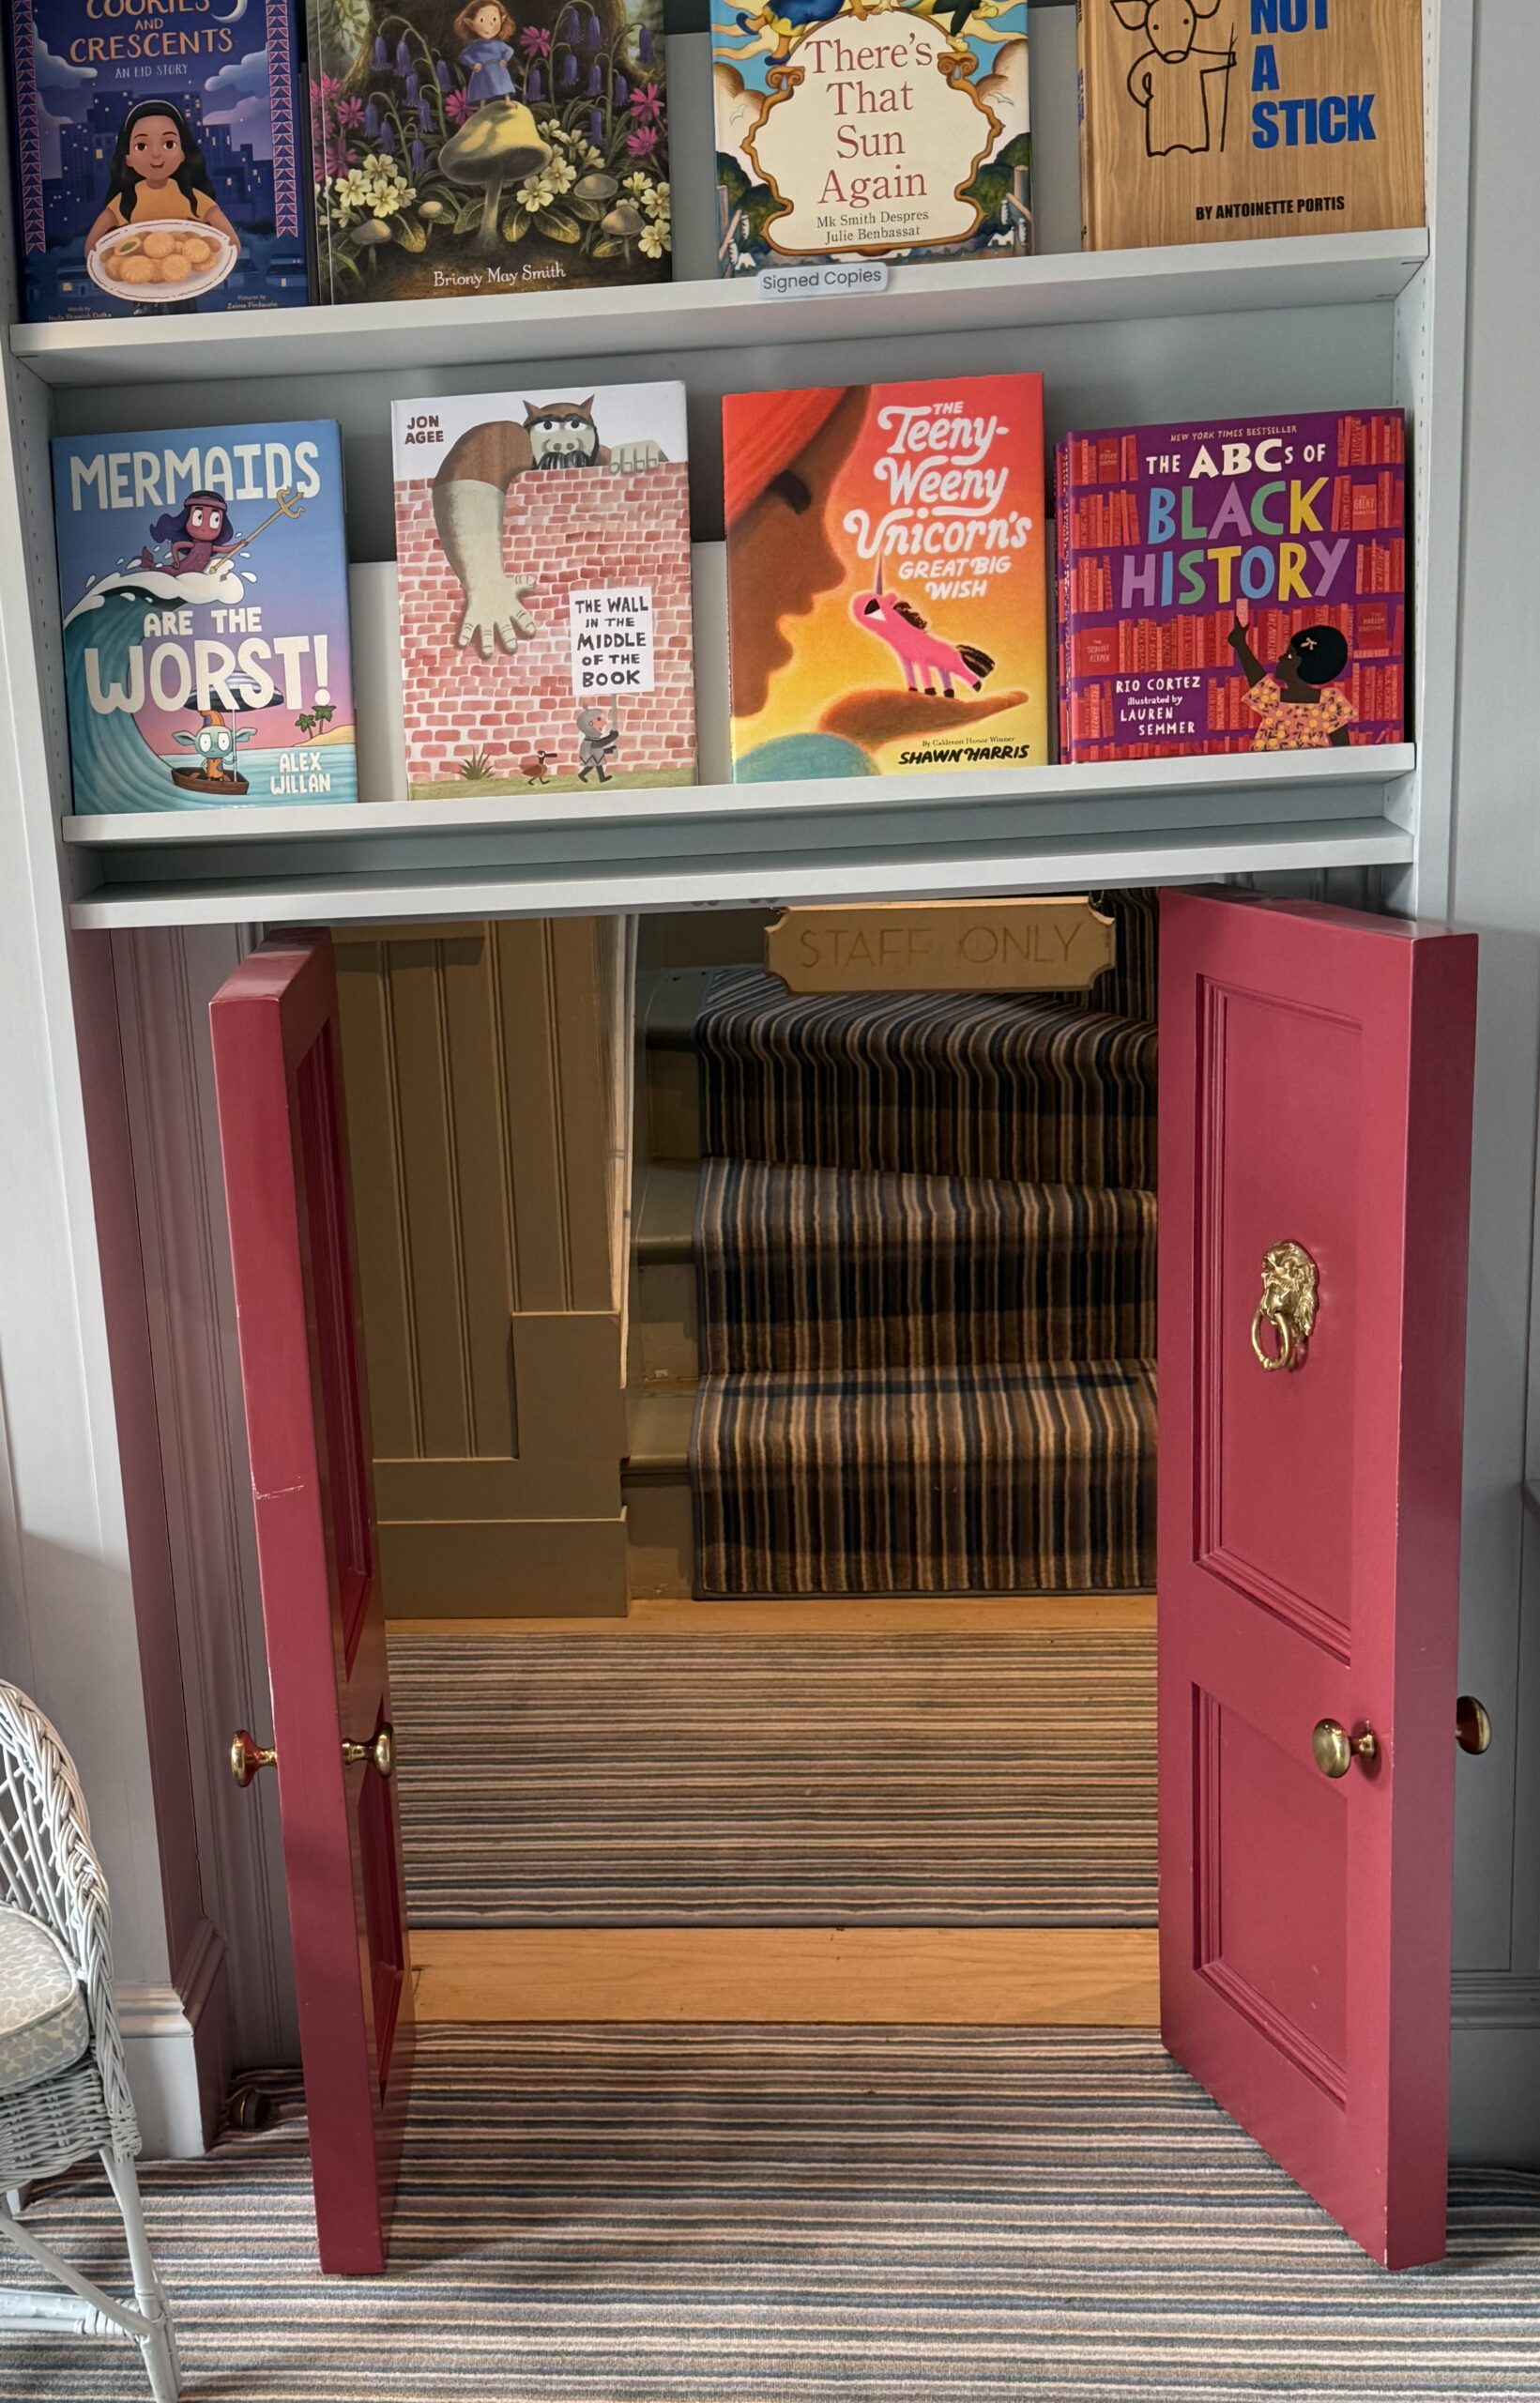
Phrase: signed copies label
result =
(789, 283)
(874, 137)
(1049, 945)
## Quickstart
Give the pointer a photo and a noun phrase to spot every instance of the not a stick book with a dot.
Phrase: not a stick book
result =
(542, 564)
(203, 578)
(1234, 586)
(886, 599)
(478, 149)
(898, 133)
(156, 154)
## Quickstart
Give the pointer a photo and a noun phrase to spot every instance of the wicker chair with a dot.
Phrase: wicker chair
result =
(64, 2091)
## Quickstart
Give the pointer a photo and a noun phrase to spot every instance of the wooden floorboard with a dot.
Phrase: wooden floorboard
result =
(1035, 1612)
(1045, 1976)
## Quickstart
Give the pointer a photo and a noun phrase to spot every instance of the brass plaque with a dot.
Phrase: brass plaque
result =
(1054, 944)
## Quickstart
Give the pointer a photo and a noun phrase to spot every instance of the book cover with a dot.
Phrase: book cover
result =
(203, 578)
(542, 563)
(1235, 585)
(885, 601)
(898, 133)
(476, 149)
(1207, 120)
(156, 158)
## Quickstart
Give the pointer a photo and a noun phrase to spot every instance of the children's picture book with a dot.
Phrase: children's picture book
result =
(156, 156)
(1234, 587)
(543, 565)
(885, 601)
(203, 579)
(1209, 120)
(482, 149)
(842, 129)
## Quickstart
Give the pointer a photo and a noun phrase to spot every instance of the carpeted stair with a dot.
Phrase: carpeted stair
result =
(924, 1251)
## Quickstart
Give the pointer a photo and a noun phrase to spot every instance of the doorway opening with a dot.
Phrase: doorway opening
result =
(764, 1425)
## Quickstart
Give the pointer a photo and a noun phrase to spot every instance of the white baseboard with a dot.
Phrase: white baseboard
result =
(176, 2043)
(1494, 2067)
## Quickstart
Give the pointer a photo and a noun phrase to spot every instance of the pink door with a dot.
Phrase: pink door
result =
(1315, 1115)
(278, 1078)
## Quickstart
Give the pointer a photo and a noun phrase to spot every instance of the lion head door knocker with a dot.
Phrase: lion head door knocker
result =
(1289, 1283)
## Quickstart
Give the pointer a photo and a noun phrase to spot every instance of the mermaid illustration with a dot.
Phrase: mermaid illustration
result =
(197, 533)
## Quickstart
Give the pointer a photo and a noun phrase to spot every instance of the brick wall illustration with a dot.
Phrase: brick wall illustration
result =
(571, 530)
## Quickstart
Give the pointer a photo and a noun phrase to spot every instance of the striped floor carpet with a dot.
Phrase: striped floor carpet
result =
(758, 2215)
(804, 1780)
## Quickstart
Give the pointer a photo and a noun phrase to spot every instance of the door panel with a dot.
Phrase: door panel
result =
(481, 1079)
(277, 1076)
(1315, 1089)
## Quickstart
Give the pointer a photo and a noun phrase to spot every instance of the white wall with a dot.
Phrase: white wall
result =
(1495, 888)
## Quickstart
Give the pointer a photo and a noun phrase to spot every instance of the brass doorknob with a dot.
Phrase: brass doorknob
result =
(246, 1756)
(1472, 1727)
(381, 1749)
(1335, 1748)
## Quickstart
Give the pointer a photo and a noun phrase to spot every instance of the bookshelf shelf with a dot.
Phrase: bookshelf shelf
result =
(1164, 820)
(1126, 784)
(967, 298)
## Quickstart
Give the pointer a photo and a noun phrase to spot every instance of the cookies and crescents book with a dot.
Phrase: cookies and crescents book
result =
(203, 583)
(1233, 585)
(470, 149)
(897, 132)
(1210, 120)
(156, 156)
(542, 566)
(886, 598)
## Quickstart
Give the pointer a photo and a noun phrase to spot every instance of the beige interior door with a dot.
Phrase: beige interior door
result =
(482, 1064)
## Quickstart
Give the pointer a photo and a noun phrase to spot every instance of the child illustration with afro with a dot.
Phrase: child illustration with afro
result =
(1299, 706)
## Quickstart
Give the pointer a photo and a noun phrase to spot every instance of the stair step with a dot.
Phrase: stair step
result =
(669, 999)
(666, 1223)
(823, 1269)
(655, 1485)
(1012, 1480)
(657, 1424)
(667, 1003)
(986, 1085)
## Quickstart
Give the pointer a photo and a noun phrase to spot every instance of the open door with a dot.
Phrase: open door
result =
(1315, 1130)
(278, 1081)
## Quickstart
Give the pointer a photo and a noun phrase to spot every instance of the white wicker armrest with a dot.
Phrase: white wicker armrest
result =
(49, 1868)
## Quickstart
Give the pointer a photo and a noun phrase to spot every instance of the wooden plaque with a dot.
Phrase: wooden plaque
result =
(1053, 944)
(1234, 117)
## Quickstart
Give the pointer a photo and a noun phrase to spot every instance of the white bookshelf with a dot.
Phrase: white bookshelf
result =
(703, 312)
(1297, 322)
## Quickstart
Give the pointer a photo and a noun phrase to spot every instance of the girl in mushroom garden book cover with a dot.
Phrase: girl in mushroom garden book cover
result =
(542, 567)
(484, 148)
(203, 579)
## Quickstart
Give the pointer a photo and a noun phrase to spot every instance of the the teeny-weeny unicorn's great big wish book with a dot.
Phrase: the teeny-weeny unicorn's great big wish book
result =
(885, 578)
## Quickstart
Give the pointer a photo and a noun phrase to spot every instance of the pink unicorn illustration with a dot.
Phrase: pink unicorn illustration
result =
(929, 663)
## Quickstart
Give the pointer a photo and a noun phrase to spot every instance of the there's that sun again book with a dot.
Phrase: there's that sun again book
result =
(886, 588)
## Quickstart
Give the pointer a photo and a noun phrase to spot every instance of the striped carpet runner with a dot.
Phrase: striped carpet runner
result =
(801, 1780)
(800, 2216)
(925, 1254)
